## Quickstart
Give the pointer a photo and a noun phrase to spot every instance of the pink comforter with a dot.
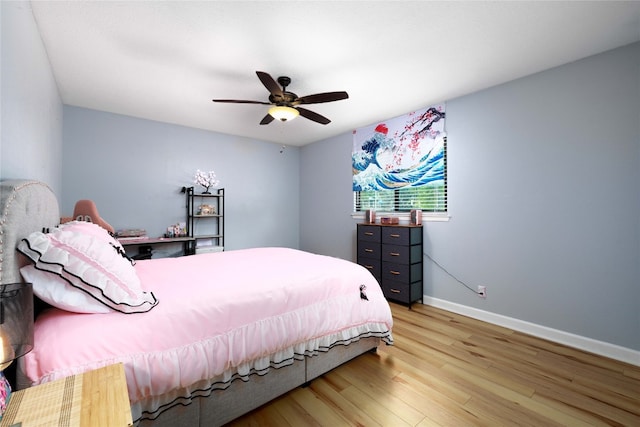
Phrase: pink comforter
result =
(216, 314)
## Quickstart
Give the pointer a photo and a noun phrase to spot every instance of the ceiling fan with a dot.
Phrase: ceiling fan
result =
(285, 104)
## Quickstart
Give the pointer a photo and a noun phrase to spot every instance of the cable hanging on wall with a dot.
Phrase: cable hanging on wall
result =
(451, 275)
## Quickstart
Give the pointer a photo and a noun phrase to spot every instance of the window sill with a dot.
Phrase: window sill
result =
(404, 216)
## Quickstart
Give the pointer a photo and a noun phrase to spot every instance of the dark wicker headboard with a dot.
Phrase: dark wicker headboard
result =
(25, 206)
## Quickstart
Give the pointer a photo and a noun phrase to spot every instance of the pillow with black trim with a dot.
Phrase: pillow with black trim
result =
(91, 261)
(92, 229)
(57, 292)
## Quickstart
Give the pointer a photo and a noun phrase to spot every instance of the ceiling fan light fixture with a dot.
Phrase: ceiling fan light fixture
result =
(283, 113)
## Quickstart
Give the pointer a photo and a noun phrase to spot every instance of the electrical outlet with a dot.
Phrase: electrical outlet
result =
(482, 291)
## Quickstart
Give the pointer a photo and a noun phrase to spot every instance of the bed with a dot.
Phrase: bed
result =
(204, 338)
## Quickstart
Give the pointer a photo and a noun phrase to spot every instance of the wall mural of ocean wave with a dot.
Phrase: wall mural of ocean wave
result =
(407, 151)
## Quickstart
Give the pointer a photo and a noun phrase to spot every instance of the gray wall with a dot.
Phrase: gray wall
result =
(543, 195)
(326, 199)
(134, 169)
(31, 111)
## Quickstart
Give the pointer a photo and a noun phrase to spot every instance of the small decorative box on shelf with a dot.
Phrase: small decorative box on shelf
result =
(389, 220)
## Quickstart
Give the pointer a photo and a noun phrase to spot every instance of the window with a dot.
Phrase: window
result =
(400, 165)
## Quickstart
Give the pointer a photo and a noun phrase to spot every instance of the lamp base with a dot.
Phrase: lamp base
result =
(5, 393)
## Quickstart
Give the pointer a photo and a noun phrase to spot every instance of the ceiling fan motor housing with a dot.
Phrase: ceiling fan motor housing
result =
(286, 99)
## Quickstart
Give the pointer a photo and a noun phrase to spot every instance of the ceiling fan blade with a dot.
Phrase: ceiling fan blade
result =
(313, 116)
(322, 97)
(268, 82)
(266, 119)
(240, 101)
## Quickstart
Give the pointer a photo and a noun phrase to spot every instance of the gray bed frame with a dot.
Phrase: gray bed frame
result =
(28, 206)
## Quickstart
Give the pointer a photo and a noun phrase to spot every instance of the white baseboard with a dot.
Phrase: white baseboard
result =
(601, 348)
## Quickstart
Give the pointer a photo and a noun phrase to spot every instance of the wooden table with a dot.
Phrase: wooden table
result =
(97, 398)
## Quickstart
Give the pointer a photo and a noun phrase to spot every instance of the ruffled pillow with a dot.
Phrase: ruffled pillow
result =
(90, 261)
(57, 292)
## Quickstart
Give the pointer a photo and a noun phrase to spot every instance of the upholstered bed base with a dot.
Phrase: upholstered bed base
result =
(241, 397)
(28, 206)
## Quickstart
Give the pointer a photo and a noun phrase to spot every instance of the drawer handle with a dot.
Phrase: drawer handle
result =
(395, 273)
(394, 235)
(370, 267)
(368, 233)
(394, 254)
(394, 291)
(368, 250)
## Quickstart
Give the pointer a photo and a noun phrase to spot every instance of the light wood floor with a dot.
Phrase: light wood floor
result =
(450, 370)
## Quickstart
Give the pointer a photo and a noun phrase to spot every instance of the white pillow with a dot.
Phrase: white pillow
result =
(57, 292)
(93, 262)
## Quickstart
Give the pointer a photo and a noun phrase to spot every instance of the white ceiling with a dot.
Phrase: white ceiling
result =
(166, 60)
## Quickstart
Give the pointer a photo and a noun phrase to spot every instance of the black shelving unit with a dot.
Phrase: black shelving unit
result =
(210, 234)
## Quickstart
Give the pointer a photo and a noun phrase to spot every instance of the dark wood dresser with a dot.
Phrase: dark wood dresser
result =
(393, 254)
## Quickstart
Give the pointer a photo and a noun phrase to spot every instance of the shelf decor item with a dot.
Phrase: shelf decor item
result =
(206, 210)
(387, 220)
(206, 180)
(16, 330)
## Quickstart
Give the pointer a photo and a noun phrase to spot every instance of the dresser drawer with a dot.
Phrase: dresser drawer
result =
(405, 293)
(402, 254)
(395, 291)
(401, 235)
(368, 249)
(373, 265)
(404, 273)
(368, 233)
